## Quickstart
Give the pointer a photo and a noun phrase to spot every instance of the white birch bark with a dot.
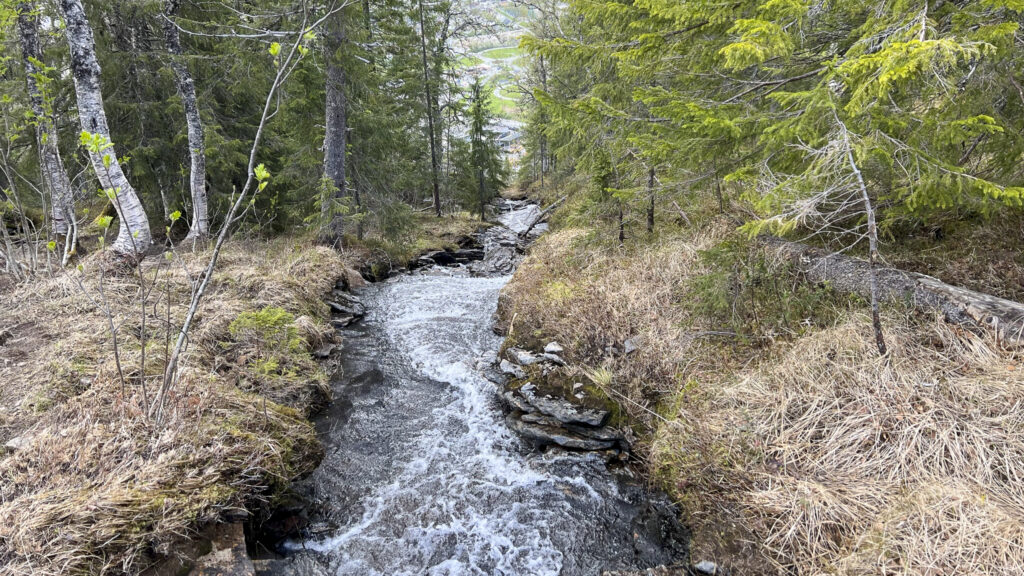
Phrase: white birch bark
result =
(133, 236)
(55, 179)
(200, 227)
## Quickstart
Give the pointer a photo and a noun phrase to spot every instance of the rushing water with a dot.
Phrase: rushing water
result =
(422, 476)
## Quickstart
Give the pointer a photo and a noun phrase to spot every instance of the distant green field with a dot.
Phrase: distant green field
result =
(469, 61)
(502, 53)
(508, 93)
(503, 108)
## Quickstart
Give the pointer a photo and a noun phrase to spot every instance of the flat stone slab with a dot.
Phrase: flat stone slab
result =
(564, 411)
(555, 435)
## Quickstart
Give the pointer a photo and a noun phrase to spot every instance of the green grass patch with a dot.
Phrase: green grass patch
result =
(506, 53)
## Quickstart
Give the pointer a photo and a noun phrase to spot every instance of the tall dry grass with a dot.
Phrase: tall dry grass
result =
(844, 462)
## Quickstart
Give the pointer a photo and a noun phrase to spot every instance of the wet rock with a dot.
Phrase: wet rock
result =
(343, 321)
(554, 348)
(511, 369)
(516, 402)
(350, 280)
(494, 375)
(441, 258)
(228, 557)
(499, 260)
(564, 411)
(545, 435)
(467, 255)
(354, 309)
(656, 571)
(325, 350)
(522, 357)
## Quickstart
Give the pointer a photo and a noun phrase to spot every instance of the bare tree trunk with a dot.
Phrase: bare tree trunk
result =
(357, 191)
(622, 225)
(876, 320)
(543, 122)
(650, 194)
(430, 115)
(54, 177)
(483, 192)
(200, 227)
(133, 236)
(334, 136)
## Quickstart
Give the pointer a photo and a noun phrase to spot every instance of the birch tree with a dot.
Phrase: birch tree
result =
(200, 226)
(133, 236)
(55, 178)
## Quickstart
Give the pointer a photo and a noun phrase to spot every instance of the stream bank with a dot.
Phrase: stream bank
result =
(423, 475)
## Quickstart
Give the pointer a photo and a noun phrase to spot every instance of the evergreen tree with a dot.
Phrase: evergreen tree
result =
(485, 156)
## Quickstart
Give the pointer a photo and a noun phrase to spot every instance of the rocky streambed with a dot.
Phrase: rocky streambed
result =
(444, 459)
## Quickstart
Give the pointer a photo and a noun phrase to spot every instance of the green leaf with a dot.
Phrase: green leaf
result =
(51, 246)
(275, 49)
(175, 215)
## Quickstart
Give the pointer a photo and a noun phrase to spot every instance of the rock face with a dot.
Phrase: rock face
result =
(346, 309)
(554, 415)
(228, 557)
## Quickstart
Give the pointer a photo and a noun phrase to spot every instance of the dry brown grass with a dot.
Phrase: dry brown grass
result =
(589, 297)
(802, 454)
(96, 487)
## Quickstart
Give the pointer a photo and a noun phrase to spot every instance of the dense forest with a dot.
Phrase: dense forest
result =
(332, 117)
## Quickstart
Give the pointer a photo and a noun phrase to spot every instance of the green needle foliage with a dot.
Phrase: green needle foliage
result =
(749, 95)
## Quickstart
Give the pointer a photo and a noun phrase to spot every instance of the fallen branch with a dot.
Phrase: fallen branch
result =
(544, 214)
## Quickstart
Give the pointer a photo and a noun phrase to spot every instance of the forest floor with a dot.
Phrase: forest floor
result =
(760, 403)
(90, 480)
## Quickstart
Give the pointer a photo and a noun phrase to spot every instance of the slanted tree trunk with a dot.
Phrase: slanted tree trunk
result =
(200, 227)
(334, 136)
(428, 96)
(55, 178)
(622, 224)
(876, 319)
(650, 195)
(133, 236)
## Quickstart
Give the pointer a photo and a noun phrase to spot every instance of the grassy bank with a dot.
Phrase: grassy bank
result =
(91, 482)
(759, 403)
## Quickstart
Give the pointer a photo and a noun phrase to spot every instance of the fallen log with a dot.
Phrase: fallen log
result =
(1005, 318)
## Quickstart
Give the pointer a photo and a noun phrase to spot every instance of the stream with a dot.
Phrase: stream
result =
(422, 475)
